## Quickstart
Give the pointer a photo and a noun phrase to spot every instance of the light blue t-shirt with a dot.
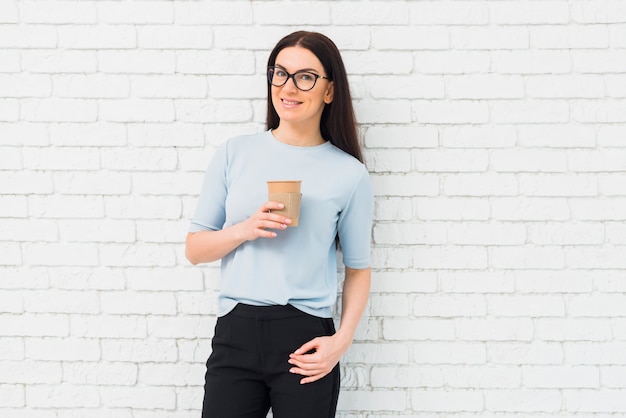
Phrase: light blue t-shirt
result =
(299, 266)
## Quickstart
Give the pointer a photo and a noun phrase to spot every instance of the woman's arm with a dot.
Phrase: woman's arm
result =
(207, 246)
(328, 350)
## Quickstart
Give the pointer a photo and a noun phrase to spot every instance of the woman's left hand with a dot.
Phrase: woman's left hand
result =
(325, 353)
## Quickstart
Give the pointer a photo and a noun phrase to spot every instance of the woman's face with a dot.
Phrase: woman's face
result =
(292, 104)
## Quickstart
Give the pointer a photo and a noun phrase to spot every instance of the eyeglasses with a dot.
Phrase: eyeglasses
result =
(303, 80)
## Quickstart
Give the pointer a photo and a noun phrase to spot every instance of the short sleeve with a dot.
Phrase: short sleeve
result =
(355, 224)
(210, 212)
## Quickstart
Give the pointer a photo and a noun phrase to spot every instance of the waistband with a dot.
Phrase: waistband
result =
(267, 312)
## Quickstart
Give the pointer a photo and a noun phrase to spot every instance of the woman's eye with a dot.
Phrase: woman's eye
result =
(306, 76)
(280, 73)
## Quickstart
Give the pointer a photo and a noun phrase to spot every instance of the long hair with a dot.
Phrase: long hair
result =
(338, 123)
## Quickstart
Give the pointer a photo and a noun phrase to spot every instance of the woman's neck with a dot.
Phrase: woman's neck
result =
(291, 135)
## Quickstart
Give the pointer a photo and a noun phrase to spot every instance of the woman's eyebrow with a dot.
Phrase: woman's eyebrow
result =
(311, 70)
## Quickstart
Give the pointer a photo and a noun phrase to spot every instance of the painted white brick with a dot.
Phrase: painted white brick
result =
(525, 306)
(569, 37)
(23, 134)
(476, 282)
(451, 112)
(137, 303)
(539, 353)
(447, 400)
(97, 37)
(557, 136)
(610, 135)
(383, 111)
(10, 255)
(25, 85)
(590, 353)
(474, 233)
(613, 376)
(523, 12)
(449, 13)
(450, 160)
(389, 305)
(489, 86)
(12, 396)
(214, 12)
(412, 184)
(418, 329)
(58, 61)
(449, 352)
(411, 38)
(448, 306)
(529, 160)
(57, 159)
(112, 326)
(531, 62)
(450, 257)
(368, 353)
(378, 62)
(524, 400)
(223, 111)
(527, 257)
(404, 282)
(603, 400)
(529, 209)
(566, 233)
(62, 349)
(494, 329)
(303, 13)
(566, 86)
(12, 348)
(413, 86)
(374, 12)
(57, 12)
(558, 185)
(408, 233)
(411, 377)
(9, 110)
(28, 36)
(59, 110)
(60, 254)
(497, 37)
(91, 86)
(451, 62)
(100, 373)
(111, 12)
(215, 61)
(610, 209)
(375, 400)
(9, 12)
(87, 134)
(569, 329)
(179, 327)
(530, 111)
(599, 61)
(137, 61)
(452, 208)
(138, 397)
(491, 136)
(171, 374)
(139, 350)
(400, 137)
(475, 184)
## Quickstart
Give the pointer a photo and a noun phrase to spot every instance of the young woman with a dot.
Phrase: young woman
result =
(275, 344)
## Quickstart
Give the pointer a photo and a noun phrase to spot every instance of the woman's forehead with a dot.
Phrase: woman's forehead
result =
(295, 58)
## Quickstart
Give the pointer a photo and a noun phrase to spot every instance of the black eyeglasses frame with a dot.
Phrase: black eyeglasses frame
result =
(272, 68)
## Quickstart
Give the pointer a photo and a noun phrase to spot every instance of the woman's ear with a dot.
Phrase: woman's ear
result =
(329, 94)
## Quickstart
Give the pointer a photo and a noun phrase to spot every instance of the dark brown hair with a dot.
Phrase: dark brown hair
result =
(338, 124)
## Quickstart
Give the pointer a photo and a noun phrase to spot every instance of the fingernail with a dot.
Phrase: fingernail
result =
(287, 220)
(280, 205)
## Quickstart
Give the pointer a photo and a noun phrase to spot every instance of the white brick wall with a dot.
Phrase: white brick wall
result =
(495, 133)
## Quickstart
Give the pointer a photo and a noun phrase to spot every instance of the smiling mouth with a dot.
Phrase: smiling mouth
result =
(290, 102)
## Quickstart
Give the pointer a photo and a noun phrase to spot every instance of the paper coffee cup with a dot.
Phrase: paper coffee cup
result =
(288, 193)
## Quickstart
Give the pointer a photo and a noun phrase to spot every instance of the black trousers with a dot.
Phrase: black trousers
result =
(248, 370)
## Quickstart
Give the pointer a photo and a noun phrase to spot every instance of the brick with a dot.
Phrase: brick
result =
(91, 86)
(159, 135)
(214, 12)
(494, 329)
(25, 85)
(59, 61)
(613, 376)
(408, 233)
(147, 159)
(525, 257)
(406, 87)
(376, 400)
(476, 282)
(87, 134)
(162, 231)
(383, 111)
(478, 136)
(607, 209)
(449, 13)
(446, 306)
(400, 137)
(451, 112)
(389, 305)
(531, 353)
(572, 329)
(557, 136)
(407, 377)
(61, 301)
(137, 61)
(602, 400)
(97, 37)
(569, 37)
(215, 62)
(9, 12)
(412, 38)
(205, 111)
(521, 12)
(247, 38)
(57, 12)
(450, 160)
(62, 349)
(60, 254)
(30, 372)
(595, 353)
(450, 257)
(9, 110)
(11, 302)
(411, 184)
(29, 325)
(599, 61)
(135, 255)
(77, 278)
(566, 86)
(452, 208)
(450, 352)
(28, 36)
(378, 62)
(236, 87)
(447, 400)
(142, 207)
(63, 396)
(552, 281)
(370, 353)
(171, 375)
(524, 400)
(315, 13)
(12, 348)
(615, 233)
(137, 303)
(478, 184)
(480, 38)
(525, 306)
(59, 110)
(55, 206)
(418, 329)
(10, 255)
(531, 62)
(101, 374)
(12, 396)
(404, 282)
(24, 277)
(10, 158)
(598, 160)
(92, 183)
(139, 350)
(470, 377)
(137, 110)
(179, 327)
(530, 111)
(597, 305)
(473, 233)
(108, 326)
(566, 233)
(451, 62)
(169, 86)
(23, 134)
(490, 86)
(558, 185)
(606, 111)
(57, 159)
(374, 12)
(110, 12)
(393, 161)
(529, 160)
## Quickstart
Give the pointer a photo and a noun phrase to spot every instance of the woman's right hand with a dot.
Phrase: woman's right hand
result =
(257, 225)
